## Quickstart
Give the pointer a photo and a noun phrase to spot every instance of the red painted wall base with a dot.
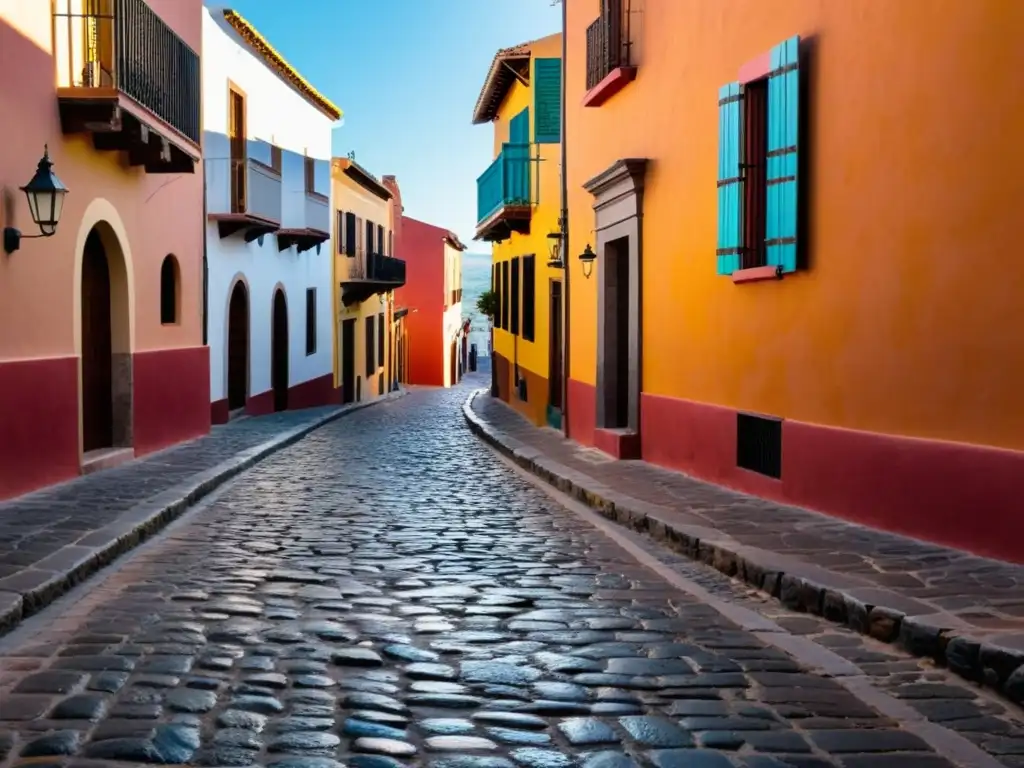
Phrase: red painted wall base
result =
(963, 496)
(39, 440)
(617, 443)
(38, 423)
(170, 400)
(312, 393)
(219, 412)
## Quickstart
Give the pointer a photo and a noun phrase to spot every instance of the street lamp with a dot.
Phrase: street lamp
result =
(45, 193)
(587, 260)
(555, 250)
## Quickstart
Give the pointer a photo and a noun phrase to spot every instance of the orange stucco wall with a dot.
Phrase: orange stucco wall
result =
(157, 214)
(908, 320)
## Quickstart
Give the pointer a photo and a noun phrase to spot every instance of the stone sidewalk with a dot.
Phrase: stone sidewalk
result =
(54, 538)
(964, 611)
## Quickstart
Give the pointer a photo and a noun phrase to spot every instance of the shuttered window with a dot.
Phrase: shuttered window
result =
(529, 297)
(310, 321)
(370, 229)
(371, 363)
(380, 238)
(758, 164)
(350, 234)
(339, 231)
(547, 101)
(380, 339)
(504, 295)
(515, 296)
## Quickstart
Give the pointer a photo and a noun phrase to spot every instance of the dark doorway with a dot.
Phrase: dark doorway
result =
(279, 352)
(453, 371)
(348, 361)
(97, 348)
(555, 346)
(238, 347)
(616, 332)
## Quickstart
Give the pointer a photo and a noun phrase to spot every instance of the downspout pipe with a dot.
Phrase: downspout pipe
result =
(564, 225)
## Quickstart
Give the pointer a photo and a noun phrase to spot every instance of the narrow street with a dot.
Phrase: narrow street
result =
(388, 592)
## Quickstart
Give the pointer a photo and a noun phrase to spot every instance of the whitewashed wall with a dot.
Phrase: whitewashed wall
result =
(276, 114)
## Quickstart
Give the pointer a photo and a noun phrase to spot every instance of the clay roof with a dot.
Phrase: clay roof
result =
(508, 63)
(277, 62)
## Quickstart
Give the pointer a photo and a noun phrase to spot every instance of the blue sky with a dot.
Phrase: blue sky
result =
(406, 73)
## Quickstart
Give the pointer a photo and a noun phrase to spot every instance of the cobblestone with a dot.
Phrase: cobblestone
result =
(964, 611)
(388, 539)
(52, 539)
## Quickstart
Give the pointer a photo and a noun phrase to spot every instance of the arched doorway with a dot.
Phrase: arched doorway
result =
(238, 347)
(279, 351)
(106, 345)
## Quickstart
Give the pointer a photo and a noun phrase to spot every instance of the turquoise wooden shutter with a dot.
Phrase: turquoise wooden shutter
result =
(547, 101)
(783, 141)
(519, 128)
(730, 181)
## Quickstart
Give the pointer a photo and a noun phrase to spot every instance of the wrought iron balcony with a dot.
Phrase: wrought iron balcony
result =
(126, 77)
(608, 53)
(369, 274)
(504, 194)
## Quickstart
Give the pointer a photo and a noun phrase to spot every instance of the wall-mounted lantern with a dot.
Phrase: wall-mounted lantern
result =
(555, 250)
(587, 260)
(45, 194)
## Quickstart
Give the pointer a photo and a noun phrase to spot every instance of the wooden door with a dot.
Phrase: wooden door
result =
(97, 353)
(348, 361)
(238, 347)
(236, 136)
(279, 352)
(555, 346)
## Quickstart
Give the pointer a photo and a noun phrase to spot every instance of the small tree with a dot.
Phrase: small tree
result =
(487, 304)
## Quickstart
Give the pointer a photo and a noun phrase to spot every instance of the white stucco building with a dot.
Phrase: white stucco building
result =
(267, 147)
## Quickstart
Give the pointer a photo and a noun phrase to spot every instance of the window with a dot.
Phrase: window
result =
(547, 101)
(529, 297)
(380, 238)
(391, 243)
(380, 339)
(310, 321)
(371, 363)
(755, 172)
(514, 296)
(350, 234)
(310, 172)
(275, 157)
(169, 291)
(504, 295)
(340, 231)
(758, 167)
(369, 236)
(496, 287)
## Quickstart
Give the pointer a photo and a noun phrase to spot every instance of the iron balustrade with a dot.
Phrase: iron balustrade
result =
(506, 182)
(124, 44)
(605, 43)
(376, 268)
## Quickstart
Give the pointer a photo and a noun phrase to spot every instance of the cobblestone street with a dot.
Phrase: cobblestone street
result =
(389, 592)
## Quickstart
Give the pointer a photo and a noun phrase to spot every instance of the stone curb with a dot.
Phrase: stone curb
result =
(56, 574)
(919, 628)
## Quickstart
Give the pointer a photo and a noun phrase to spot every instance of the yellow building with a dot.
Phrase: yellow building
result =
(366, 274)
(518, 210)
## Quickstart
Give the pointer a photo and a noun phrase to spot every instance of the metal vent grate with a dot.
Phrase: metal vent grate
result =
(759, 444)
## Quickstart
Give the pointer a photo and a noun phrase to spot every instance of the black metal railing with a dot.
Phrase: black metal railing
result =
(385, 269)
(124, 44)
(605, 43)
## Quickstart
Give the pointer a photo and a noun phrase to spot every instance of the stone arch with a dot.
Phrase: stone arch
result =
(237, 341)
(279, 347)
(104, 340)
(114, 236)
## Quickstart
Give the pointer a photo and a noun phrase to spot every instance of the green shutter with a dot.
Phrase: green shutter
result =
(783, 139)
(547, 101)
(519, 128)
(730, 178)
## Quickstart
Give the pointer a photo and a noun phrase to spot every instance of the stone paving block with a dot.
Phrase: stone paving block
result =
(868, 580)
(53, 538)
